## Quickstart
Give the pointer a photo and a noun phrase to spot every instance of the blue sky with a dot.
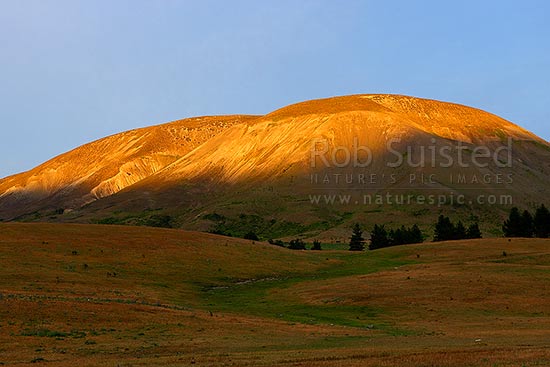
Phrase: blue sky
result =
(75, 71)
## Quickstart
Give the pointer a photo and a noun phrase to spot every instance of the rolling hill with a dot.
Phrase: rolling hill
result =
(266, 172)
(97, 295)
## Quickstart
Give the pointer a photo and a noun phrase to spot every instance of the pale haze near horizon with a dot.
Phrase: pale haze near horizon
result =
(75, 71)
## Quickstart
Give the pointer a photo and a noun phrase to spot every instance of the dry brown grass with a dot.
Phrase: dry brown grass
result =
(458, 304)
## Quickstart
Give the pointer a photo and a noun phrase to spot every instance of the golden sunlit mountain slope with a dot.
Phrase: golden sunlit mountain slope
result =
(281, 141)
(106, 166)
(274, 167)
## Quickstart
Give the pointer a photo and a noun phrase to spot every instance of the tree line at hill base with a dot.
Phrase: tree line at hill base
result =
(446, 230)
(518, 224)
(380, 237)
(296, 244)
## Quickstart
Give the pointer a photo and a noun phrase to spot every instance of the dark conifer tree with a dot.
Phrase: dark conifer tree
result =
(460, 231)
(415, 235)
(316, 245)
(357, 242)
(398, 236)
(444, 229)
(512, 226)
(541, 222)
(378, 238)
(527, 225)
(473, 231)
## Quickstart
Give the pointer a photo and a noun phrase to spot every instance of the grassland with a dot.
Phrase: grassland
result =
(103, 295)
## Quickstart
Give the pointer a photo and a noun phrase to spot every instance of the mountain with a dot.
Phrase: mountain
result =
(265, 173)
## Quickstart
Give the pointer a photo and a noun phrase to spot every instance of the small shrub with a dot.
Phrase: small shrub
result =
(316, 245)
(251, 236)
(297, 244)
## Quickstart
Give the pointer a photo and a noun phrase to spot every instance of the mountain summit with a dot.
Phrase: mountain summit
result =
(272, 166)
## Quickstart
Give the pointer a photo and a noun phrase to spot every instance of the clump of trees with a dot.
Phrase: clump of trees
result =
(381, 238)
(525, 224)
(446, 230)
(378, 237)
(296, 244)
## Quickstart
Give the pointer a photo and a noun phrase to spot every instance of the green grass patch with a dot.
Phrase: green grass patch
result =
(146, 218)
(264, 228)
(269, 297)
